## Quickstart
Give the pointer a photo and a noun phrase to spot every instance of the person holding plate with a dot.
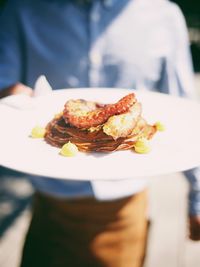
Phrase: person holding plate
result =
(136, 44)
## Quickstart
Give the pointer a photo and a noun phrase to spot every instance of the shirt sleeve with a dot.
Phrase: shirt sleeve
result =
(177, 76)
(193, 177)
(10, 51)
(182, 56)
(184, 77)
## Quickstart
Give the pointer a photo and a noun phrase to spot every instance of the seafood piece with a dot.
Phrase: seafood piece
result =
(83, 114)
(122, 125)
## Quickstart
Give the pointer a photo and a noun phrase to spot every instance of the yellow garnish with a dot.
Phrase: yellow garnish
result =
(38, 132)
(159, 126)
(142, 146)
(69, 150)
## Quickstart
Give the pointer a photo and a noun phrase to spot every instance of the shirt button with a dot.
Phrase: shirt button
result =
(108, 3)
(94, 78)
(95, 58)
(95, 17)
(73, 81)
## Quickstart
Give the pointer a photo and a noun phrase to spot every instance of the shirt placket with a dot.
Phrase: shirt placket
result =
(95, 55)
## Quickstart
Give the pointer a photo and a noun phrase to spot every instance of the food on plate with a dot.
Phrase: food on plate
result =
(159, 126)
(142, 146)
(38, 132)
(69, 150)
(86, 114)
(92, 126)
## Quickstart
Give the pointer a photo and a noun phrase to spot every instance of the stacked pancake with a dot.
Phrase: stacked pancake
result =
(99, 127)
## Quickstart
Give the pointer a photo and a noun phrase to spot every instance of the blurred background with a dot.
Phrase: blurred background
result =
(191, 10)
(169, 245)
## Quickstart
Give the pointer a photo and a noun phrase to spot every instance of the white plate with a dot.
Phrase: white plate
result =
(176, 149)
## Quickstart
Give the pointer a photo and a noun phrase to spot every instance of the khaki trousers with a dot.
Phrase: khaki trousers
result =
(87, 233)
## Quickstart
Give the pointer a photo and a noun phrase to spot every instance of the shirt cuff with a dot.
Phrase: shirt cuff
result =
(193, 177)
